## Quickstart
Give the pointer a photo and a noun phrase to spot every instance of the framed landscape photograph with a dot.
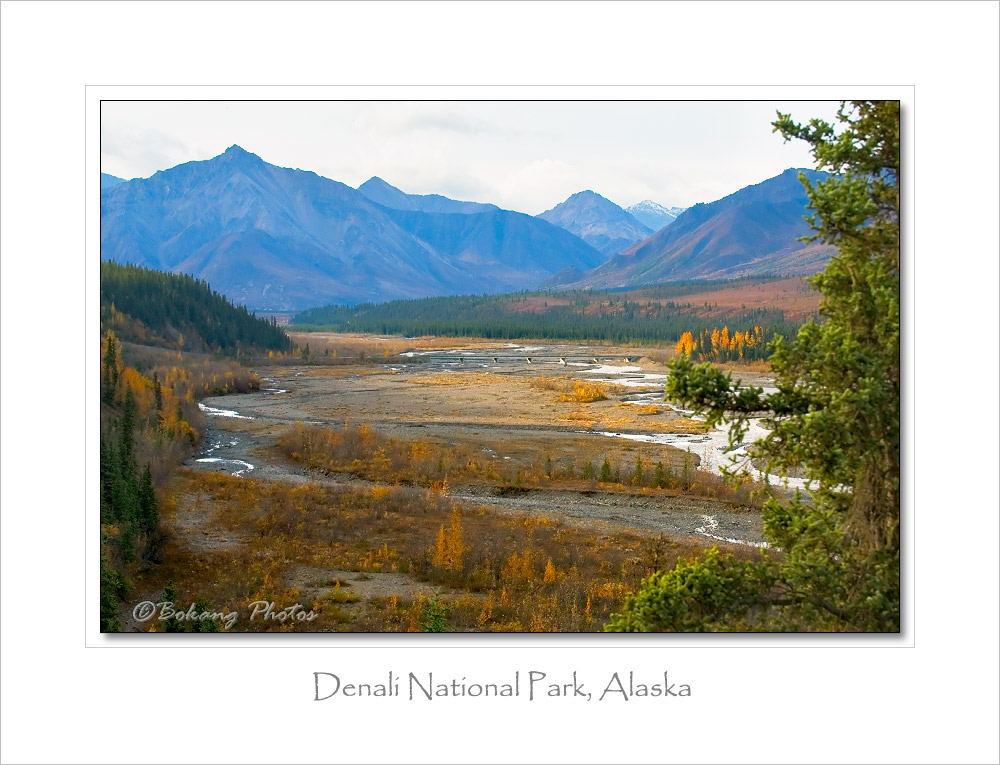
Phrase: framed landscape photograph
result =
(446, 382)
(499, 365)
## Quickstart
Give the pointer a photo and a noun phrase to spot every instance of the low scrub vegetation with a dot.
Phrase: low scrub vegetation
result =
(492, 572)
(336, 349)
(365, 453)
(577, 391)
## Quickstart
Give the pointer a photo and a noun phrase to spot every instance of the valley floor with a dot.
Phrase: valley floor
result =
(533, 430)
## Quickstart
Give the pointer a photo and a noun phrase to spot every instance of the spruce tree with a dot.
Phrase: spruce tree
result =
(107, 481)
(148, 515)
(638, 478)
(659, 476)
(112, 590)
(835, 416)
(110, 377)
(126, 440)
(173, 624)
(157, 392)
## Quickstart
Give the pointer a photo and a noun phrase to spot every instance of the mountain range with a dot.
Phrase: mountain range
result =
(107, 181)
(382, 193)
(598, 221)
(754, 231)
(277, 239)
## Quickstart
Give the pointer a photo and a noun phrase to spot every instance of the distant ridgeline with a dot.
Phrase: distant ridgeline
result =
(646, 316)
(178, 311)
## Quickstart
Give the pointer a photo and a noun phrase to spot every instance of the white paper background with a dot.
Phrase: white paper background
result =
(930, 696)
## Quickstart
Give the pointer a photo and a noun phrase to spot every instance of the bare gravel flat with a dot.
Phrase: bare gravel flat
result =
(464, 396)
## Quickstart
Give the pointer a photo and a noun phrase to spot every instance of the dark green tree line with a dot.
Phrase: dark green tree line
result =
(617, 320)
(128, 508)
(176, 310)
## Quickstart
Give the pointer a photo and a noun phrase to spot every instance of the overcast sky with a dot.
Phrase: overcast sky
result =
(524, 156)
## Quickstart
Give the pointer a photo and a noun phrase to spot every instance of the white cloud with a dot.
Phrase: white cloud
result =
(542, 183)
(525, 156)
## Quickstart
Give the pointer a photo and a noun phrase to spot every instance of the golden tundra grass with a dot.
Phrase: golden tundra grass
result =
(461, 378)
(497, 572)
(336, 348)
(363, 452)
(578, 391)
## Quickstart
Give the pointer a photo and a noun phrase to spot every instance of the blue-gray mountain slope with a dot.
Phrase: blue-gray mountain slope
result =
(107, 181)
(382, 193)
(501, 245)
(751, 232)
(273, 238)
(598, 221)
(504, 246)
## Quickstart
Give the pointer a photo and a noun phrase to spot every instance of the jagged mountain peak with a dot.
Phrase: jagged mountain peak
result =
(752, 231)
(237, 151)
(653, 214)
(276, 238)
(649, 204)
(108, 180)
(598, 221)
(581, 199)
(384, 193)
(375, 181)
(240, 157)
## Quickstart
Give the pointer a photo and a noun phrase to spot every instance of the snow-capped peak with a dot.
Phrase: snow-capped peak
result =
(653, 214)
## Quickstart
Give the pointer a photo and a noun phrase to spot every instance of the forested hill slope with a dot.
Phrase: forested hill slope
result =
(178, 311)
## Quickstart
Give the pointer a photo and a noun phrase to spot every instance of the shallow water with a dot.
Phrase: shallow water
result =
(247, 467)
(714, 450)
(712, 447)
(272, 390)
(711, 525)
(214, 412)
(592, 365)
